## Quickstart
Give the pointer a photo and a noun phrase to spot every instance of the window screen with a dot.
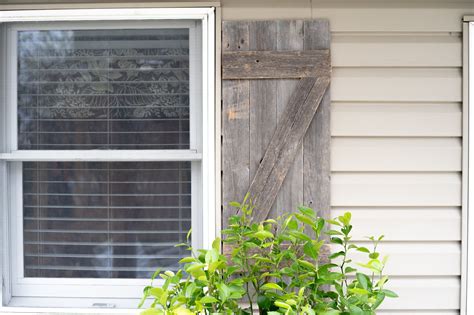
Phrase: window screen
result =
(124, 89)
(104, 220)
(103, 89)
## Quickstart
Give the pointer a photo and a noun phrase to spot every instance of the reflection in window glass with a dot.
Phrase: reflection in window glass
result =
(103, 89)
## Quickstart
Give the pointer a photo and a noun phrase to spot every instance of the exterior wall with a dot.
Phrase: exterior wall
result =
(396, 133)
(396, 128)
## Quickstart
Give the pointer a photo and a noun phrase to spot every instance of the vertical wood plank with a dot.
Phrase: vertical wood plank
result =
(289, 37)
(317, 141)
(263, 105)
(235, 124)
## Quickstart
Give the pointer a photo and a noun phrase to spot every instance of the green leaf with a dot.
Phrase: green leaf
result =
(382, 281)
(208, 299)
(306, 264)
(262, 235)
(307, 211)
(235, 204)
(155, 274)
(335, 255)
(282, 305)
(305, 219)
(224, 291)
(389, 293)
(358, 291)
(362, 280)
(311, 250)
(143, 299)
(169, 273)
(300, 235)
(320, 225)
(374, 255)
(337, 240)
(216, 244)
(291, 302)
(187, 260)
(195, 267)
(334, 222)
(349, 270)
(355, 310)
(211, 256)
(156, 292)
(363, 249)
(291, 223)
(264, 302)
(271, 286)
(380, 298)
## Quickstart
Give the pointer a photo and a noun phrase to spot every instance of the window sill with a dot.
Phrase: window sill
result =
(65, 311)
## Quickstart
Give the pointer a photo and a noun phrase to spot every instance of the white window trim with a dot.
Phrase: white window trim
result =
(467, 272)
(203, 153)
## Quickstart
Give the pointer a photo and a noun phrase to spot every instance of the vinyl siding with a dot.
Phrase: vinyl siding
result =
(396, 128)
(396, 134)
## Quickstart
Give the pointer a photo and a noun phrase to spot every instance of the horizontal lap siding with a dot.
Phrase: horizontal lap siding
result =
(396, 134)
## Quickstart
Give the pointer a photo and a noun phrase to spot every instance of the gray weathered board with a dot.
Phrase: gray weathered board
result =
(254, 110)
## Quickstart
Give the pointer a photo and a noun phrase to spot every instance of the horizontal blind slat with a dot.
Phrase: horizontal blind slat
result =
(104, 228)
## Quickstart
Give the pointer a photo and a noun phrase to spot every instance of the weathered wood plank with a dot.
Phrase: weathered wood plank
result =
(235, 36)
(290, 37)
(317, 141)
(263, 102)
(235, 124)
(275, 64)
(284, 144)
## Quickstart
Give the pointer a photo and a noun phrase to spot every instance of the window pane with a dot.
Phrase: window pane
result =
(103, 89)
(104, 219)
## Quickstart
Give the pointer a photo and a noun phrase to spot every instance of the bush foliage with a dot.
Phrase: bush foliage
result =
(278, 266)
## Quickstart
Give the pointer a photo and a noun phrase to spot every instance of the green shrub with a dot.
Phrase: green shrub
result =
(278, 266)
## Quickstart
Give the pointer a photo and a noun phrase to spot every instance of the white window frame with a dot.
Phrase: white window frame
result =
(123, 293)
(467, 274)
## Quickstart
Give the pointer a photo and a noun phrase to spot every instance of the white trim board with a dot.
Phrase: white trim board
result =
(467, 288)
(107, 14)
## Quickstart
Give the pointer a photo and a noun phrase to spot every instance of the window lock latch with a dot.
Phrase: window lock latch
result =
(103, 305)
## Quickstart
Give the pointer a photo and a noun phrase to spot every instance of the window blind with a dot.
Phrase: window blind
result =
(103, 89)
(104, 219)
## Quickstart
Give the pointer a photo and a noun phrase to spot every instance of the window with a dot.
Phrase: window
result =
(107, 151)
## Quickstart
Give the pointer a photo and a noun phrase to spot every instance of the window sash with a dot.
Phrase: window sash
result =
(196, 91)
(202, 154)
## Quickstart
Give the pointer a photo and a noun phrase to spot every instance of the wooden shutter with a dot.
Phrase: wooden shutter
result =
(276, 115)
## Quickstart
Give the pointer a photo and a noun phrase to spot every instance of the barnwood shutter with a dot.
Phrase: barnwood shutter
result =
(275, 117)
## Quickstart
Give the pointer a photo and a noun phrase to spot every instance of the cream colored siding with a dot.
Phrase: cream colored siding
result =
(396, 127)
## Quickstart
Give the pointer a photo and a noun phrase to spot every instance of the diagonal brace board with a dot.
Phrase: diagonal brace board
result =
(284, 144)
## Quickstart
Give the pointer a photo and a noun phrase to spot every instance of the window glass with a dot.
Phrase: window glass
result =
(103, 89)
(104, 219)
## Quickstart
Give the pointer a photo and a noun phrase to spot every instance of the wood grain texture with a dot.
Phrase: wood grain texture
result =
(235, 124)
(275, 150)
(317, 141)
(290, 37)
(263, 96)
(275, 64)
(283, 147)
